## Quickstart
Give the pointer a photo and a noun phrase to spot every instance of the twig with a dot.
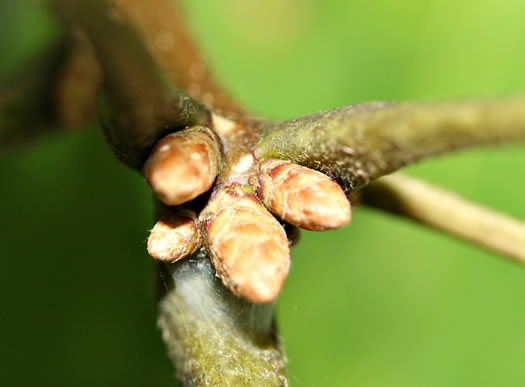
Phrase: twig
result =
(164, 30)
(448, 212)
(359, 143)
(55, 90)
(27, 109)
(138, 105)
(78, 82)
(213, 337)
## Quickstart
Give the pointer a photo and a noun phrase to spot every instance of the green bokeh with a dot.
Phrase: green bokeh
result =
(382, 302)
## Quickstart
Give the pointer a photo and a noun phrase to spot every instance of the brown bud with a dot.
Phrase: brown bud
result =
(174, 236)
(183, 165)
(246, 243)
(302, 196)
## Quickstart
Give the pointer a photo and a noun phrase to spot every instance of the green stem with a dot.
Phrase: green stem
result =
(213, 337)
(359, 143)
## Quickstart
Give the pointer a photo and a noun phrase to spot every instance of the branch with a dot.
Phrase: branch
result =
(162, 27)
(27, 110)
(448, 212)
(213, 337)
(138, 105)
(54, 90)
(78, 82)
(357, 144)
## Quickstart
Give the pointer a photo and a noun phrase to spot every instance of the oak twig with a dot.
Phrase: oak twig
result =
(163, 29)
(357, 144)
(79, 80)
(138, 105)
(213, 337)
(448, 212)
(27, 107)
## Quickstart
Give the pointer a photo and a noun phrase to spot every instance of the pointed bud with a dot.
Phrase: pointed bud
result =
(302, 196)
(247, 244)
(183, 165)
(174, 236)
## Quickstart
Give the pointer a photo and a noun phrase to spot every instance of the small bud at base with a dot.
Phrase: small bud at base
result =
(174, 236)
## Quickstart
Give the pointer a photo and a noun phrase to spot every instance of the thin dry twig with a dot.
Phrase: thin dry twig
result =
(446, 211)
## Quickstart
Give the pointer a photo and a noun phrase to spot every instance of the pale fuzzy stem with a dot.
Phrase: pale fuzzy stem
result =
(359, 143)
(448, 212)
(213, 337)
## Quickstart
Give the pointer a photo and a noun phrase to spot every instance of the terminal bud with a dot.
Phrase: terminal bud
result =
(246, 243)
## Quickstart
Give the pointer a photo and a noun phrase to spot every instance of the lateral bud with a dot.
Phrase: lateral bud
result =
(246, 243)
(174, 236)
(302, 196)
(183, 165)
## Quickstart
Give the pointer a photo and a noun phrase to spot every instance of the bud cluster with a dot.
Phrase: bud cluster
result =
(248, 246)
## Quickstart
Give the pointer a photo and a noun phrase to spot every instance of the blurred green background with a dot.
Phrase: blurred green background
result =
(382, 302)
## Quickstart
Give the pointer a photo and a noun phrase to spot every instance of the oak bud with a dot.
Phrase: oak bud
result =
(302, 196)
(246, 243)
